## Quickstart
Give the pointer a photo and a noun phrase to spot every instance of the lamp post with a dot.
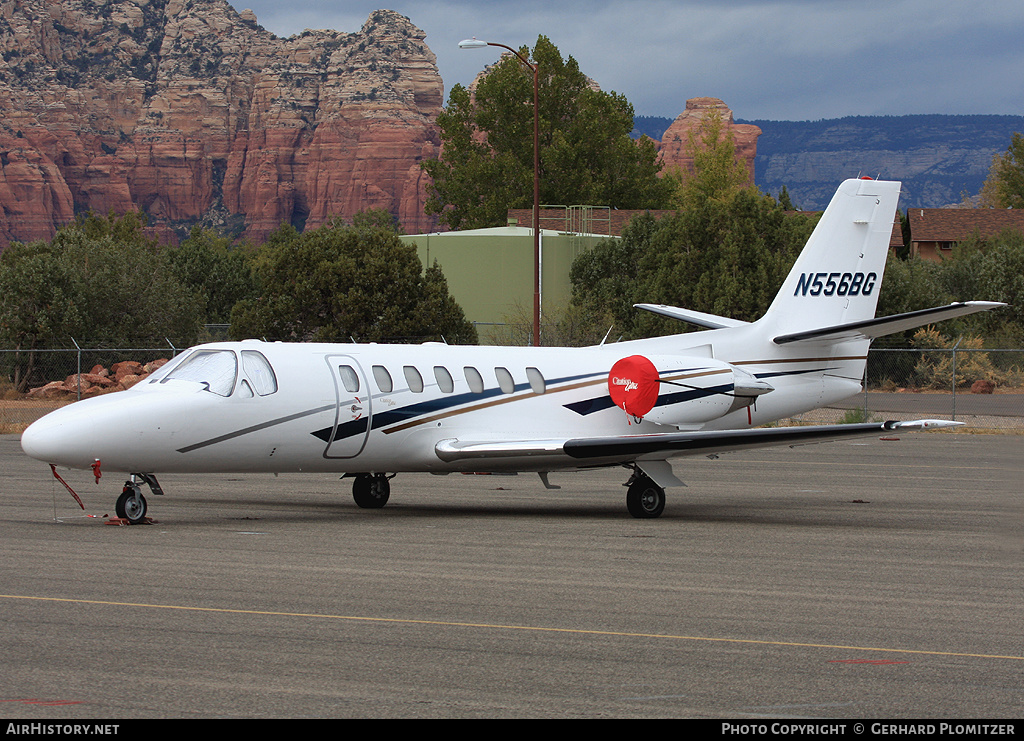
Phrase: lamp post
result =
(477, 44)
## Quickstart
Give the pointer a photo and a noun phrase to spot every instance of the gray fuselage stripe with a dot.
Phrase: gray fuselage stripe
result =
(256, 428)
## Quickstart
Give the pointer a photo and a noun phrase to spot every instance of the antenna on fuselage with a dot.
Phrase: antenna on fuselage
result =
(606, 335)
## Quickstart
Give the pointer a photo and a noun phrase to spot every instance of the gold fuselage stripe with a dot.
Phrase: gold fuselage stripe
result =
(594, 382)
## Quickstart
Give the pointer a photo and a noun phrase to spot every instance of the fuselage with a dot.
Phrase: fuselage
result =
(284, 407)
(375, 410)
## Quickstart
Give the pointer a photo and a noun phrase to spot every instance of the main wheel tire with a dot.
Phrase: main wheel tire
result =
(371, 491)
(130, 508)
(645, 499)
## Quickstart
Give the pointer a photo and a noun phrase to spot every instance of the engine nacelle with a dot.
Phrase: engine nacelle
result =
(681, 390)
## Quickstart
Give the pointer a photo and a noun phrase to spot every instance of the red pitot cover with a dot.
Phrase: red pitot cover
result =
(633, 385)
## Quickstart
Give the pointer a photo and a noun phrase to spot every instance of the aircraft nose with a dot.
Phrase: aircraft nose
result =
(71, 436)
(124, 430)
(46, 439)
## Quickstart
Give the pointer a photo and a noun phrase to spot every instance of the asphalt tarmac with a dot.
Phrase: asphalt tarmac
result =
(866, 579)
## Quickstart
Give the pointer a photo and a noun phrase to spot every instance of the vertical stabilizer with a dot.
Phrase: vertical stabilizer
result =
(838, 275)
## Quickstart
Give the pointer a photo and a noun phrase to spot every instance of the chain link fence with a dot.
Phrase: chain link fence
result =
(35, 382)
(983, 388)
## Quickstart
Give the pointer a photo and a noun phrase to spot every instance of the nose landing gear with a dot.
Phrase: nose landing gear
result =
(131, 505)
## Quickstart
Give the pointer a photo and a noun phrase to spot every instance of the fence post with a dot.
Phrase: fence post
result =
(958, 340)
(78, 377)
(864, 383)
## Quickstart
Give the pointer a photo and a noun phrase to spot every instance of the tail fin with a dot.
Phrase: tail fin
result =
(837, 278)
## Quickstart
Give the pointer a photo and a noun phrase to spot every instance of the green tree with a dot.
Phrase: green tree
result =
(1004, 187)
(39, 299)
(990, 270)
(716, 173)
(99, 279)
(340, 282)
(785, 201)
(211, 265)
(728, 256)
(985, 269)
(587, 155)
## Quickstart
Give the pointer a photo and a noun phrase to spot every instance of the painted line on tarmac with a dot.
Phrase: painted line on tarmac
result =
(499, 626)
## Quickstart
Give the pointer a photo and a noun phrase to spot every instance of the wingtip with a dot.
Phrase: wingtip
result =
(921, 424)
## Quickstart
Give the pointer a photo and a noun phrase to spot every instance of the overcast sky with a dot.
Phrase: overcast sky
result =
(767, 59)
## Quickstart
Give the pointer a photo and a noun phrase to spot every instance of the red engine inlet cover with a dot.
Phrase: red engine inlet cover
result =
(633, 385)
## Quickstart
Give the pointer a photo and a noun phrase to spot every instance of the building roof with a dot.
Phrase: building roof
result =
(957, 224)
(602, 220)
(613, 222)
(494, 231)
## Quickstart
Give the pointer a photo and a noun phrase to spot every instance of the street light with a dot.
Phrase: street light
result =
(478, 44)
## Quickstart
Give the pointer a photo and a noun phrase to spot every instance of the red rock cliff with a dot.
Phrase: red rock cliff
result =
(193, 113)
(675, 140)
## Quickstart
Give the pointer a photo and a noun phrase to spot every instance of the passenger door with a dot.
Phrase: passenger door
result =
(354, 410)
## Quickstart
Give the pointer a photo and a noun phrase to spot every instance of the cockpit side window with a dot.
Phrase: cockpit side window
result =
(215, 368)
(259, 372)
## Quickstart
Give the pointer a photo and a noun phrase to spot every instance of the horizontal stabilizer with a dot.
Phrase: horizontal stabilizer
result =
(869, 329)
(699, 318)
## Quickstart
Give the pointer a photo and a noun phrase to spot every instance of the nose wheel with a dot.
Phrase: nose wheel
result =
(644, 498)
(131, 505)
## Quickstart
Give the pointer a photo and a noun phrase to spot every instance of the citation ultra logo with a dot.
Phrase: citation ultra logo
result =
(630, 385)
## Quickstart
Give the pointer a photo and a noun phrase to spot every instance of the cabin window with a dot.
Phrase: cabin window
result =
(259, 372)
(217, 369)
(474, 379)
(413, 378)
(444, 379)
(536, 379)
(383, 379)
(349, 378)
(505, 381)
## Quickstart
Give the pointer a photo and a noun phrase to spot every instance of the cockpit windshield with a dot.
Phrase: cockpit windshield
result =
(215, 368)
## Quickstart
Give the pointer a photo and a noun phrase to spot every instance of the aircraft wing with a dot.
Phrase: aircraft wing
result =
(625, 448)
(872, 328)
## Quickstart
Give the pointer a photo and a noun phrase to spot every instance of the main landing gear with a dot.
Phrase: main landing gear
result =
(644, 498)
(131, 505)
(371, 490)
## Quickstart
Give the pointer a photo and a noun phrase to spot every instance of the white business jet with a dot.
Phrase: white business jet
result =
(371, 411)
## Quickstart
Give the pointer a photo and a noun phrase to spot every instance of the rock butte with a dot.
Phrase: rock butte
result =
(194, 114)
(674, 140)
